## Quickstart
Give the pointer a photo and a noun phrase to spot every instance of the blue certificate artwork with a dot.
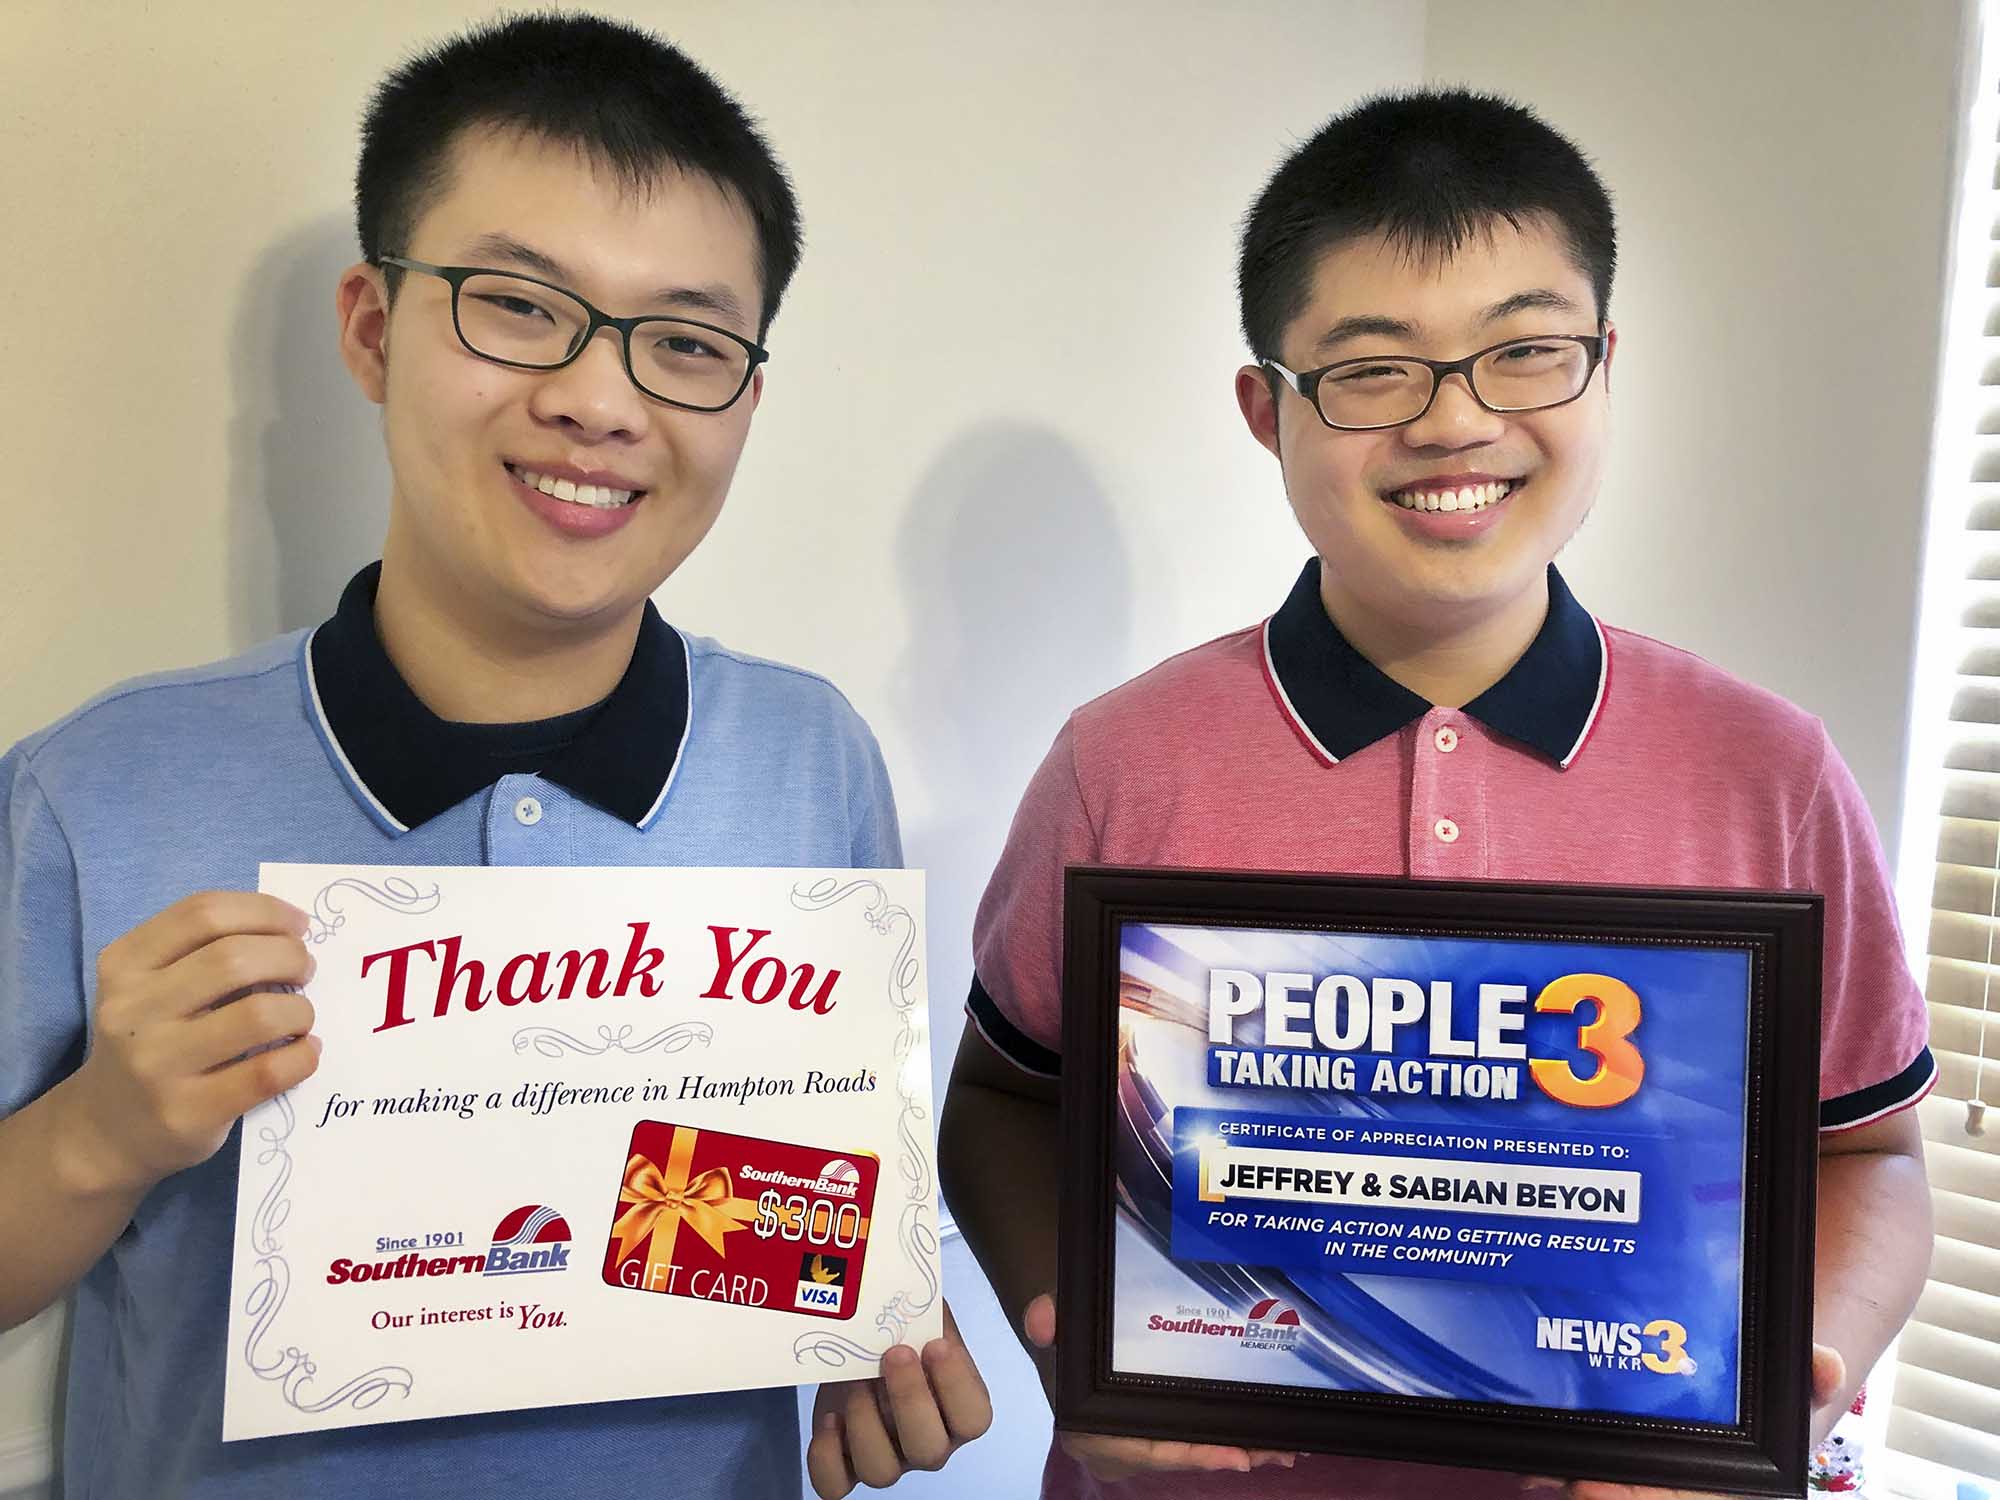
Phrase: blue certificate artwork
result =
(1392, 1164)
(1517, 1176)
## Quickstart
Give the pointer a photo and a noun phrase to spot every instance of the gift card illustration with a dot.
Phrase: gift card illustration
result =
(739, 1219)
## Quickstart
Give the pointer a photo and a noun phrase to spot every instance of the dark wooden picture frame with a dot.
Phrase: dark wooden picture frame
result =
(1765, 1452)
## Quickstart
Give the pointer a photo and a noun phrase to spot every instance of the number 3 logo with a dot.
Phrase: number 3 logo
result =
(1673, 1346)
(1619, 1065)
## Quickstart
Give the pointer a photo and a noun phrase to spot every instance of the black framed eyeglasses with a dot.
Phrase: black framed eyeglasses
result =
(526, 323)
(1374, 391)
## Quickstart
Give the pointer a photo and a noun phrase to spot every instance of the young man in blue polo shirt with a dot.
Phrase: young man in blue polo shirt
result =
(1424, 290)
(497, 690)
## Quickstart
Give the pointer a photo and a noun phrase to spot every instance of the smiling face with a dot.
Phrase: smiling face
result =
(1397, 557)
(475, 448)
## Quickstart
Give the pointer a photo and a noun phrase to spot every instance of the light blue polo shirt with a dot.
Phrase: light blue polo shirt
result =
(186, 781)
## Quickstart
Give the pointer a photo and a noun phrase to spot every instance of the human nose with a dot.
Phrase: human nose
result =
(593, 395)
(1455, 418)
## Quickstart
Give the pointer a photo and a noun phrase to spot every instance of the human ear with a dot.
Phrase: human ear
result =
(1259, 407)
(361, 302)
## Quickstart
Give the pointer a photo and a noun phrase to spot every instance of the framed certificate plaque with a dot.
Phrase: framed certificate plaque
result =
(1502, 1175)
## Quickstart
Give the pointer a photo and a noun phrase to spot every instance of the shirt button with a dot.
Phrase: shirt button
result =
(1446, 830)
(1447, 739)
(527, 812)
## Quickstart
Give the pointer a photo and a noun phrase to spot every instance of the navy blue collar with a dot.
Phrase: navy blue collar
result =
(407, 765)
(1340, 702)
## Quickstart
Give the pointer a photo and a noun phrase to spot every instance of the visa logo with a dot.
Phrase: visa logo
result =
(817, 1294)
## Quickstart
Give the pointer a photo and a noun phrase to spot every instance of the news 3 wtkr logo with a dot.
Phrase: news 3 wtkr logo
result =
(821, 1278)
(1659, 1346)
(534, 1237)
(1271, 1324)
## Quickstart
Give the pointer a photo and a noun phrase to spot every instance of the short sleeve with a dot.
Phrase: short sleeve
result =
(1874, 1031)
(1016, 998)
(41, 979)
(877, 839)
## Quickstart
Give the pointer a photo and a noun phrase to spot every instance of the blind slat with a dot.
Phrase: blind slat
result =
(1946, 1351)
(1975, 794)
(1977, 749)
(1943, 1120)
(1968, 841)
(1973, 1268)
(1957, 1072)
(1968, 938)
(1964, 888)
(1960, 1030)
(1957, 1172)
(1971, 1217)
(1963, 1403)
(1961, 1311)
(1943, 1442)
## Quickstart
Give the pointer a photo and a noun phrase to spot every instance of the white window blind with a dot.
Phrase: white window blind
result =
(1945, 1397)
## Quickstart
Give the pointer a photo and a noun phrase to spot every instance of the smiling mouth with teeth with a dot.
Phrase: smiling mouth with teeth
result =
(597, 497)
(1470, 497)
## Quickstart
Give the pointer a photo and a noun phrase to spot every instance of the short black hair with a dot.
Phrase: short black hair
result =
(1429, 168)
(620, 94)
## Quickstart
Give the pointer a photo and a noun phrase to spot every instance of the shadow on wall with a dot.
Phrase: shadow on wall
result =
(309, 483)
(1020, 591)
(1021, 594)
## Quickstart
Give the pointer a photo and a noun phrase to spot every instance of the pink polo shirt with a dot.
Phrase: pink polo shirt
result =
(1602, 756)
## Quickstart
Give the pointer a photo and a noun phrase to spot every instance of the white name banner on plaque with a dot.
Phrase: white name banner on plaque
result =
(587, 1135)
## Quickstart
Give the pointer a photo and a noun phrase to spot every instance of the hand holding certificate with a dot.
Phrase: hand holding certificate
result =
(582, 1135)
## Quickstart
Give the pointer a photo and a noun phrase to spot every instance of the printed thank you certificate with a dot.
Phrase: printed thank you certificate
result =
(587, 1135)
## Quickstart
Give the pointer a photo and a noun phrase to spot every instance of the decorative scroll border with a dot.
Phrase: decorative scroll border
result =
(290, 1366)
(328, 915)
(916, 1228)
(550, 1042)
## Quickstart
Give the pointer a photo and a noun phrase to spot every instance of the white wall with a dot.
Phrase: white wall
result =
(998, 467)
(1782, 174)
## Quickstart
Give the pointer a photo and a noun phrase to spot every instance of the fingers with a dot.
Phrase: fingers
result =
(1829, 1373)
(241, 1086)
(913, 1410)
(229, 1031)
(199, 920)
(1120, 1457)
(826, 1455)
(233, 964)
(871, 1451)
(1038, 1321)
(962, 1398)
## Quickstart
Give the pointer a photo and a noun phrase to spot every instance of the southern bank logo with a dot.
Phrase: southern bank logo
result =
(1659, 1346)
(839, 1176)
(1271, 1324)
(534, 1237)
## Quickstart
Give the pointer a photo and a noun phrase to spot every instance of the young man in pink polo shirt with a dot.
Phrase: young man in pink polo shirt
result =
(1425, 286)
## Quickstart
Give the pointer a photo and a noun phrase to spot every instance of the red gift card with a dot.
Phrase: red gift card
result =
(732, 1218)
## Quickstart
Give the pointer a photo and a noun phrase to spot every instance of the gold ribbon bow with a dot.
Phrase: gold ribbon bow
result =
(658, 1201)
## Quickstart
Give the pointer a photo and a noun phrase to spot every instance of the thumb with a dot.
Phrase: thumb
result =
(1829, 1373)
(1038, 1321)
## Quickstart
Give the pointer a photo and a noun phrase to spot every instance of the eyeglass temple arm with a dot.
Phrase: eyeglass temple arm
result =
(1285, 375)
